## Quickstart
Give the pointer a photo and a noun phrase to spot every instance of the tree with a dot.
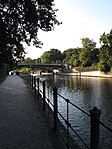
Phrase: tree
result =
(74, 61)
(72, 56)
(20, 22)
(105, 52)
(87, 49)
(51, 56)
(95, 57)
(26, 61)
(38, 60)
(67, 54)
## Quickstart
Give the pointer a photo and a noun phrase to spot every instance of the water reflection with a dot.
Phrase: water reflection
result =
(86, 93)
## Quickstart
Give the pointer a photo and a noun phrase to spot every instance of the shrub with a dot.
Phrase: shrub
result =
(104, 66)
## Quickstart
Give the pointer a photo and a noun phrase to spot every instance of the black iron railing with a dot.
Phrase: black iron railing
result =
(51, 106)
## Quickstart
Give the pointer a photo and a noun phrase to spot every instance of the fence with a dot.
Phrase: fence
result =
(42, 90)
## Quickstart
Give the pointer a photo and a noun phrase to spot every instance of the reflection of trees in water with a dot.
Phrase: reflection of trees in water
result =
(106, 93)
(87, 88)
(106, 108)
(72, 83)
(54, 81)
(106, 89)
(106, 99)
(83, 85)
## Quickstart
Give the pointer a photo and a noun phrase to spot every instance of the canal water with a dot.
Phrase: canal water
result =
(86, 93)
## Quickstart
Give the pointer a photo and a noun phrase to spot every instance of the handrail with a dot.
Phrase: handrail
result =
(79, 137)
(105, 126)
(74, 105)
(69, 124)
(93, 121)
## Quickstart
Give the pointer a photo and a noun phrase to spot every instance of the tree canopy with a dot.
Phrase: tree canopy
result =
(51, 56)
(20, 21)
(87, 49)
(105, 52)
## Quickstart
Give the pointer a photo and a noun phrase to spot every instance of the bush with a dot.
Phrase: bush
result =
(104, 66)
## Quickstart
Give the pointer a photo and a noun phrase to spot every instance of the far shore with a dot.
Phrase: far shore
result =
(90, 74)
(81, 74)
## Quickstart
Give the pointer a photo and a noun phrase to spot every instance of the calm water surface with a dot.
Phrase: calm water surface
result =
(85, 93)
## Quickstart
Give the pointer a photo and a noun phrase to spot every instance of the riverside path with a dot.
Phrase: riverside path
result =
(22, 124)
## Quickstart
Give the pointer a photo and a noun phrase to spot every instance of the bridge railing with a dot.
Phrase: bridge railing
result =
(50, 99)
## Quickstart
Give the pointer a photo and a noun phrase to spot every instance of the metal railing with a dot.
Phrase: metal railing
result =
(42, 90)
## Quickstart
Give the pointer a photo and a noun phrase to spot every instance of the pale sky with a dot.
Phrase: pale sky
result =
(80, 18)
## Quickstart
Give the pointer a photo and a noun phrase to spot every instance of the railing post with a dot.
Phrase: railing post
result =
(38, 88)
(55, 107)
(29, 79)
(94, 136)
(43, 95)
(35, 84)
(68, 124)
(32, 81)
(48, 98)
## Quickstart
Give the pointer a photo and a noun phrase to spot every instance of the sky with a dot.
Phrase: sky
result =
(80, 18)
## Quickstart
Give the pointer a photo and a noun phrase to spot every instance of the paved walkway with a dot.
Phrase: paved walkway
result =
(21, 123)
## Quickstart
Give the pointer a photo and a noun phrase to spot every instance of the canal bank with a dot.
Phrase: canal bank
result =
(88, 74)
(93, 74)
(80, 74)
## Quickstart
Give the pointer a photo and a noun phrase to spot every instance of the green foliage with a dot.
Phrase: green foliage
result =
(45, 57)
(85, 55)
(88, 44)
(52, 56)
(29, 61)
(26, 61)
(25, 70)
(105, 52)
(72, 56)
(104, 66)
(20, 21)
(94, 56)
(74, 60)
(68, 53)
(38, 60)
